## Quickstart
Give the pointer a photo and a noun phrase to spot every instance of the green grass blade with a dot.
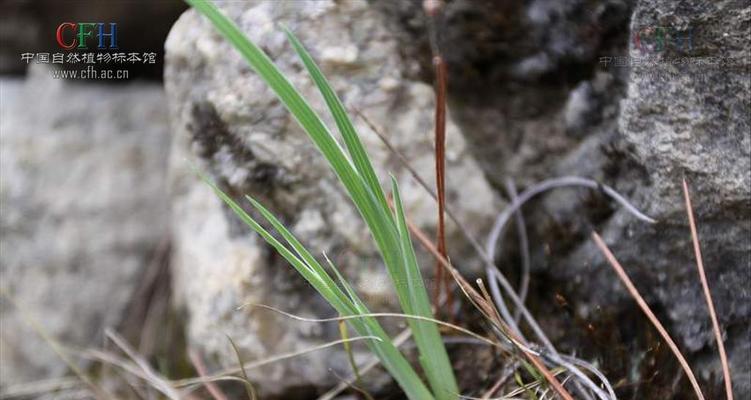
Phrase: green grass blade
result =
(360, 181)
(383, 224)
(311, 276)
(301, 251)
(362, 162)
(391, 358)
(433, 357)
(343, 122)
(378, 219)
(343, 282)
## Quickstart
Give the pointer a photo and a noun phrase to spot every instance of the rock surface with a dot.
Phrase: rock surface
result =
(229, 123)
(691, 119)
(83, 205)
(525, 84)
(539, 90)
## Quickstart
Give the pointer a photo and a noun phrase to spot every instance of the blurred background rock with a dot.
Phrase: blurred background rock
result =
(83, 208)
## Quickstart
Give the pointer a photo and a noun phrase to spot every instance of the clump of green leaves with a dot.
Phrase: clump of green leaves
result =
(388, 229)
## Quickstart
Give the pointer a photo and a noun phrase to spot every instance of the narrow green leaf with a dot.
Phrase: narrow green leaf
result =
(390, 357)
(433, 357)
(343, 282)
(311, 276)
(301, 251)
(343, 122)
(249, 389)
(378, 219)
(360, 181)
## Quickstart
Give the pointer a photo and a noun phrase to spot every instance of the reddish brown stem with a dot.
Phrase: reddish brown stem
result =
(433, 10)
(708, 294)
(214, 390)
(440, 168)
(648, 312)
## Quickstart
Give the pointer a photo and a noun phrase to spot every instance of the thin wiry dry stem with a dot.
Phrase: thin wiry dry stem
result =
(497, 277)
(591, 368)
(377, 315)
(497, 385)
(249, 389)
(226, 374)
(108, 358)
(133, 369)
(552, 353)
(343, 332)
(489, 299)
(521, 389)
(708, 294)
(134, 385)
(152, 377)
(495, 234)
(521, 231)
(97, 391)
(354, 386)
(548, 184)
(491, 314)
(488, 308)
(398, 341)
(516, 204)
(582, 378)
(645, 308)
(40, 387)
(496, 273)
(211, 387)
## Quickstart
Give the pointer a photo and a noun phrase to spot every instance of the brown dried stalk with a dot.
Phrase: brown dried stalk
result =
(433, 10)
(708, 294)
(645, 308)
(200, 367)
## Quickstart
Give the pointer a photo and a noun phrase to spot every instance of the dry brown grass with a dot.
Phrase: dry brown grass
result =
(648, 312)
(708, 293)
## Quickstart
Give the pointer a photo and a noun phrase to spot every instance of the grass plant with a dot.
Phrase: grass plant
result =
(389, 229)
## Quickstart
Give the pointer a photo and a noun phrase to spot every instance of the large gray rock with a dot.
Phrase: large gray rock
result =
(539, 90)
(82, 207)
(227, 122)
(685, 119)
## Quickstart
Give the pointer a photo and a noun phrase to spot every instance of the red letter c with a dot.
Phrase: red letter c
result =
(60, 41)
